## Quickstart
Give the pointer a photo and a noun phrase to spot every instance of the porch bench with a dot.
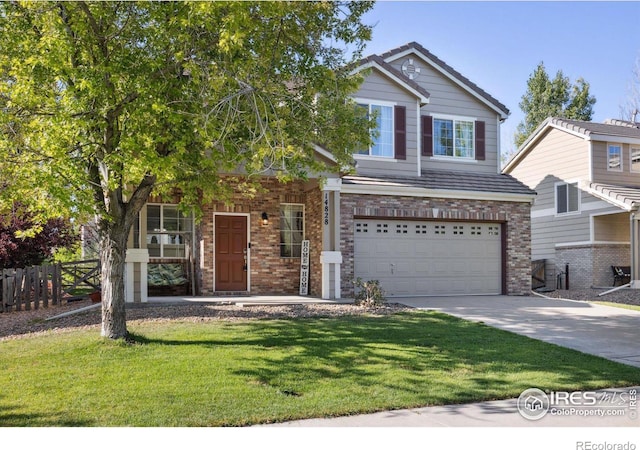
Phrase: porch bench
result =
(167, 279)
(620, 274)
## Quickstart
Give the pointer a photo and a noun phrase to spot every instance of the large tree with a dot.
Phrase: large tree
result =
(630, 109)
(557, 97)
(103, 103)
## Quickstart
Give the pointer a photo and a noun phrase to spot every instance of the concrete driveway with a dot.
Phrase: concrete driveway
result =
(605, 331)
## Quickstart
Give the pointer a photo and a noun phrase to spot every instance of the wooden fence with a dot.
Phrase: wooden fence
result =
(31, 287)
(538, 274)
(40, 286)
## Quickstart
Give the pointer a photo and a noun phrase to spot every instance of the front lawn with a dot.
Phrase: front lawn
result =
(240, 373)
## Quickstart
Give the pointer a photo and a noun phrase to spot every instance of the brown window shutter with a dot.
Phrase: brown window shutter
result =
(400, 142)
(480, 148)
(427, 135)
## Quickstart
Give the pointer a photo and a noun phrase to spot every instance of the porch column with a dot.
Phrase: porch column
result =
(331, 256)
(635, 251)
(136, 258)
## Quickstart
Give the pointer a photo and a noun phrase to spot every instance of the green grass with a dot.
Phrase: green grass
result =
(240, 373)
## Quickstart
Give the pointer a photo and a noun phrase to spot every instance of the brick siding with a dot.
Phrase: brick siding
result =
(590, 264)
(269, 273)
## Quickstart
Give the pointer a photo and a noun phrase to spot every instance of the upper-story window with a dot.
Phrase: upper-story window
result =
(382, 134)
(460, 138)
(567, 198)
(614, 157)
(453, 137)
(635, 159)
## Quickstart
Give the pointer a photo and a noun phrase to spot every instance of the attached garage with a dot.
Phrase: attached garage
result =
(412, 257)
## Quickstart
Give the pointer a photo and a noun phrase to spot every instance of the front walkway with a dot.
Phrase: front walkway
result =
(246, 300)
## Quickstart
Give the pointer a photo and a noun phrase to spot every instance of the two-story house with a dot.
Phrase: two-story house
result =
(427, 212)
(587, 176)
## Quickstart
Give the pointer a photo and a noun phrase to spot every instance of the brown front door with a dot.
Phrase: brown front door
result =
(231, 253)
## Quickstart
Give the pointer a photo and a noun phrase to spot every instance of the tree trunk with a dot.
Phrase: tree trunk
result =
(113, 248)
(114, 226)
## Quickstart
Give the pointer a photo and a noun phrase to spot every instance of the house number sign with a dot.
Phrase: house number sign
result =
(304, 268)
(326, 208)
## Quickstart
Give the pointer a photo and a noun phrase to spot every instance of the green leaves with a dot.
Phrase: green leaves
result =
(183, 90)
(555, 97)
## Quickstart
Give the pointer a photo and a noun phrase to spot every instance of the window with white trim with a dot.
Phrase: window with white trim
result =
(291, 230)
(382, 134)
(168, 230)
(614, 157)
(567, 198)
(635, 159)
(453, 137)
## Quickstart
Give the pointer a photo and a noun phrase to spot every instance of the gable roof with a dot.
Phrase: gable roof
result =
(611, 130)
(449, 72)
(380, 64)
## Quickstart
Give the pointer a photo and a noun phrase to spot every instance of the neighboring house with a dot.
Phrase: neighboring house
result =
(587, 176)
(427, 212)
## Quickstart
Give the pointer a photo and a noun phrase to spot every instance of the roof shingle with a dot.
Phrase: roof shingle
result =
(449, 180)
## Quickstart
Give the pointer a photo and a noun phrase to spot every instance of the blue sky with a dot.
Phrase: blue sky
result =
(497, 45)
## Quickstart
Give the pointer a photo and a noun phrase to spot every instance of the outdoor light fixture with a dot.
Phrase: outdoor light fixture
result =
(265, 219)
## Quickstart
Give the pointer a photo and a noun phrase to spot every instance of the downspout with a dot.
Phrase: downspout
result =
(635, 256)
(419, 139)
(498, 133)
(590, 159)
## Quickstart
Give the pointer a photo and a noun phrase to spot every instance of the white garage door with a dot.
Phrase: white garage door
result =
(429, 258)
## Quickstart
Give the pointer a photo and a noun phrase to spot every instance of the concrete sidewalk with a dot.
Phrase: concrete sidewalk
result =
(500, 413)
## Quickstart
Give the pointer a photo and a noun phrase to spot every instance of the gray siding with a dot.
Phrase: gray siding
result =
(602, 175)
(447, 98)
(378, 87)
(450, 99)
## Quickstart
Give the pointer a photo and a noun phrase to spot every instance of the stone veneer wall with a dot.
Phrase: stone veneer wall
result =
(590, 264)
(605, 256)
(269, 273)
(580, 260)
(516, 217)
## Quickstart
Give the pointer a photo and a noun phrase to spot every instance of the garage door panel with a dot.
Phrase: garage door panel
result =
(422, 269)
(381, 268)
(429, 258)
(440, 249)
